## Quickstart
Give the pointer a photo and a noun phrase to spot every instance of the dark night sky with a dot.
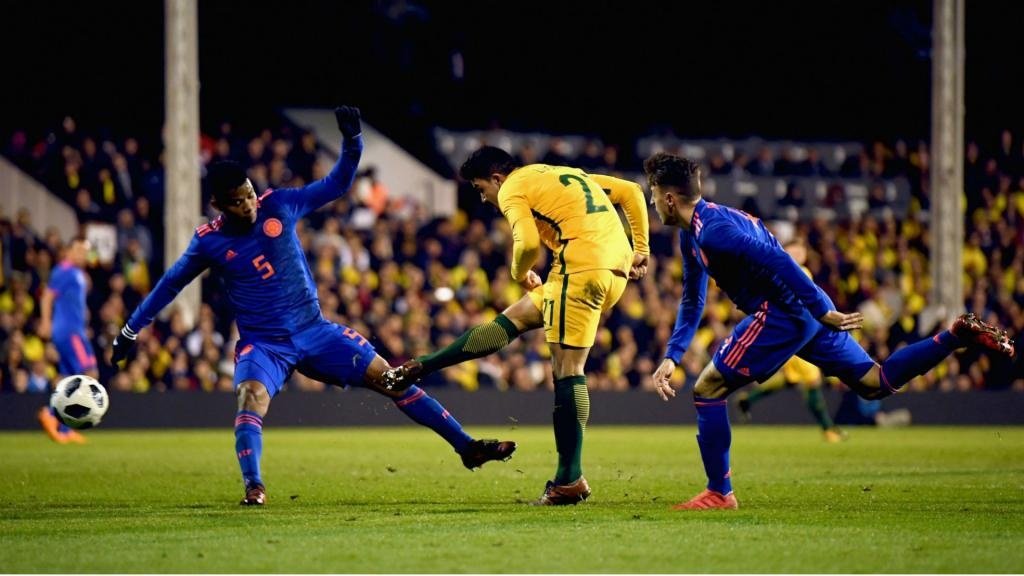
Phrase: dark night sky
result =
(814, 69)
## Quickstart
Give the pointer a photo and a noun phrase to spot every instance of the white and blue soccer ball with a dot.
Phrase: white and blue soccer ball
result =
(80, 401)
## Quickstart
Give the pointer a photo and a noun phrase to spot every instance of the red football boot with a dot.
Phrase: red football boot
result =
(51, 425)
(972, 330)
(709, 500)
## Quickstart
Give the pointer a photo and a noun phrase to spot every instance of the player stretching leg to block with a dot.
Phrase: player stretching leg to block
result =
(254, 247)
(573, 215)
(788, 315)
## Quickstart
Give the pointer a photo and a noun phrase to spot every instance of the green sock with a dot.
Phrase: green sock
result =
(767, 388)
(477, 342)
(572, 411)
(758, 392)
(816, 404)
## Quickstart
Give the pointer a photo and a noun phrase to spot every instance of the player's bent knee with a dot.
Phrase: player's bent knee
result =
(253, 396)
(710, 390)
(568, 360)
(374, 378)
(524, 315)
(869, 387)
(710, 384)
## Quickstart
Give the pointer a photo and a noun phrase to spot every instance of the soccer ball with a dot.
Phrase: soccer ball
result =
(80, 401)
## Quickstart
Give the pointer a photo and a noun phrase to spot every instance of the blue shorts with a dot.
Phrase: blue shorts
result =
(76, 354)
(762, 342)
(328, 352)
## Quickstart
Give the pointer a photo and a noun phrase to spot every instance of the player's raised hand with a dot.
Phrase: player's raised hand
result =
(663, 379)
(639, 268)
(123, 343)
(843, 322)
(531, 281)
(348, 121)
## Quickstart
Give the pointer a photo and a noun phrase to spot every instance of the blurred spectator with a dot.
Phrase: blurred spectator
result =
(412, 284)
(373, 192)
(527, 154)
(302, 158)
(128, 231)
(590, 158)
(718, 165)
(763, 164)
(558, 152)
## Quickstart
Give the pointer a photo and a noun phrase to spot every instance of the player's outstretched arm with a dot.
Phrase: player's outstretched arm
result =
(340, 178)
(691, 308)
(630, 197)
(729, 239)
(180, 274)
(525, 250)
(691, 305)
(525, 237)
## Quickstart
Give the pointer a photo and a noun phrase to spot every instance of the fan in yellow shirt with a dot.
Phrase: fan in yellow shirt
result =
(573, 214)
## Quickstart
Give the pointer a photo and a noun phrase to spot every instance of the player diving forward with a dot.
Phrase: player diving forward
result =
(254, 247)
(788, 315)
(572, 213)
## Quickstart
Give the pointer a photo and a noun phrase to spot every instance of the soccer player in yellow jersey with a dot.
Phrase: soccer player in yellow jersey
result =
(796, 372)
(573, 214)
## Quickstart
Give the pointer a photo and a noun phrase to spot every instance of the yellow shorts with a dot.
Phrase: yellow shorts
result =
(571, 304)
(801, 372)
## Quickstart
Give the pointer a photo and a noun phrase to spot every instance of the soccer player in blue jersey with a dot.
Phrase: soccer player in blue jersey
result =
(254, 247)
(788, 315)
(62, 319)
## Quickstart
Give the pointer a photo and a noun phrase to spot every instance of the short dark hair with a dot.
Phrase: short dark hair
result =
(664, 169)
(486, 161)
(223, 177)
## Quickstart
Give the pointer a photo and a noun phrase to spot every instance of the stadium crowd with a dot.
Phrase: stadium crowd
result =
(412, 284)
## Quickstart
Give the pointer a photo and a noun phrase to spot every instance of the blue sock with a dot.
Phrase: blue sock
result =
(249, 445)
(62, 428)
(916, 359)
(424, 410)
(868, 408)
(714, 436)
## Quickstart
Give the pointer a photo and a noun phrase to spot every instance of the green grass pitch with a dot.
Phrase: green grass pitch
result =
(398, 500)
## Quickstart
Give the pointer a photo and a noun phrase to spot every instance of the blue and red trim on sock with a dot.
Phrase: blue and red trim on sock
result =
(425, 410)
(714, 438)
(249, 445)
(911, 361)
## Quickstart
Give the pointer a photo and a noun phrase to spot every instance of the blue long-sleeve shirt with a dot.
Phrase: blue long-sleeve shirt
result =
(68, 284)
(264, 270)
(747, 263)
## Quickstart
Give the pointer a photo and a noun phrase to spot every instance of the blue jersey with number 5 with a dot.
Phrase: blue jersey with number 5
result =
(265, 272)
